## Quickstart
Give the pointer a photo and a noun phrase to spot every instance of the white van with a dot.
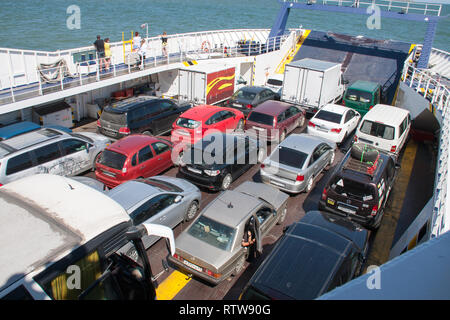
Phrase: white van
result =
(385, 127)
(275, 82)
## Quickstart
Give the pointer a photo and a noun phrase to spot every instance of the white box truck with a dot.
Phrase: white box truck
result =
(312, 83)
(206, 84)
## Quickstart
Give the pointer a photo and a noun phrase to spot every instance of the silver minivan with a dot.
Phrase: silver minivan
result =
(49, 151)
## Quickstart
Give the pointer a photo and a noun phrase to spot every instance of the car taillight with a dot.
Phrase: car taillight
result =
(98, 123)
(355, 138)
(393, 148)
(337, 130)
(300, 177)
(249, 106)
(263, 165)
(212, 274)
(175, 256)
(374, 210)
(370, 107)
(324, 194)
(125, 130)
(124, 170)
(343, 102)
(311, 124)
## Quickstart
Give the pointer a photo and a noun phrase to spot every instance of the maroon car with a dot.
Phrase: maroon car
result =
(274, 120)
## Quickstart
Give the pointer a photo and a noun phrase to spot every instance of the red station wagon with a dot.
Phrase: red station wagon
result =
(132, 157)
(193, 124)
(274, 120)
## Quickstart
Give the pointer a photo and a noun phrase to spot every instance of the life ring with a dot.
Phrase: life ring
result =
(205, 46)
(364, 153)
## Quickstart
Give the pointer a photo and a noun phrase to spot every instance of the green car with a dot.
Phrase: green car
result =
(362, 96)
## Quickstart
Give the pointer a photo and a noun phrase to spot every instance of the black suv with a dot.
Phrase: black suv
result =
(360, 185)
(315, 255)
(142, 114)
(218, 159)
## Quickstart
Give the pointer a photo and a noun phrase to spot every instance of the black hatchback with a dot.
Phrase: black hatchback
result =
(142, 114)
(315, 255)
(360, 185)
(248, 97)
(218, 159)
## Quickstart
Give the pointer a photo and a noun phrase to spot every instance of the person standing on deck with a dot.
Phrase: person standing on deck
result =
(136, 41)
(99, 45)
(164, 43)
(107, 54)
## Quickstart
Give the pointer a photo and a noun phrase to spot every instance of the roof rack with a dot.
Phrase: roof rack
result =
(367, 168)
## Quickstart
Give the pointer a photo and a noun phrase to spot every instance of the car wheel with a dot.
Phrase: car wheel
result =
(191, 211)
(226, 182)
(239, 265)
(149, 133)
(282, 215)
(240, 125)
(309, 185)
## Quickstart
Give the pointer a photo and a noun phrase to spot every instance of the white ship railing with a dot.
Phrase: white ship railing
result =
(20, 77)
(434, 219)
(387, 5)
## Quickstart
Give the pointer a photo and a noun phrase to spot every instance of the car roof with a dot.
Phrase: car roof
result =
(17, 128)
(129, 104)
(303, 262)
(131, 192)
(302, 142)
(364, 85)
(263, 191)
(255, 89)
(336, 108)
(313, 64)
(201, 112)
(356, 170)
(130, 144)
(386, 113)
(52, 220)
(231, 208)
(272, 107)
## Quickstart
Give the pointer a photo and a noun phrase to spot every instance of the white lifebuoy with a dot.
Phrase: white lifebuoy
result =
(205, 46)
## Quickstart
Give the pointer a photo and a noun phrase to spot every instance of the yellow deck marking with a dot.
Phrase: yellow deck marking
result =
(291, 54)
(381, 248)
(169, 288)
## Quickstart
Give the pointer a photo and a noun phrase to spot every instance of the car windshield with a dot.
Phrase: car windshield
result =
(243, 95)
(377, 129)
(289, 157)
(356, 95)
(187, 123)
(352, 189)
(213, 233)
(260, 118)
(112, 159)
(162, 185)
(328, 116)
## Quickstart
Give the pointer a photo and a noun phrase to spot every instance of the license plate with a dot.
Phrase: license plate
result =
(346, 210)
(237, 105)
(277, 183)
(331, 201)
(322, 129)
(109, 173)
(194, 170)
(184, 133)
(193, 266)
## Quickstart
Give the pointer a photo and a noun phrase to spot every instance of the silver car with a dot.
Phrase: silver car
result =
(211, 248)
(297, 161)
(160, 200)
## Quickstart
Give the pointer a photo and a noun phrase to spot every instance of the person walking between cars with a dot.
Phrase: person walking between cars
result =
(249, 240)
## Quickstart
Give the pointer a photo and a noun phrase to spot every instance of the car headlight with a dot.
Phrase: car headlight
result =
(212, 173)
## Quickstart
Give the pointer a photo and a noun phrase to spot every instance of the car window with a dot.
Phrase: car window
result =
(19, 163)
(328, 116)
(152, 207)
(160, 147)
(281, 117)
(213, 232)
(260, 118)
(353, 189)
(112, 159)
(70, 146)
(166, 105)
(377, 129)
(289, 157)
(226, 114)
(350, 114)
(47, 153)
(288, 113)
(215, 118)
(293, 110)
(145, 154)
(263, 215)
(134, 160)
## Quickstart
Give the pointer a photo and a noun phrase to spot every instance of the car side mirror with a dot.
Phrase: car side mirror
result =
(178, 199)
(398, 166)
(87, 147)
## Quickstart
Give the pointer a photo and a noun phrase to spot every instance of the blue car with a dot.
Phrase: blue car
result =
(16, 129)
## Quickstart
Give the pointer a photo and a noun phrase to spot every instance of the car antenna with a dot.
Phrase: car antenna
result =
(230, 205)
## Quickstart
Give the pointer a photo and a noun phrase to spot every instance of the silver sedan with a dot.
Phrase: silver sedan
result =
(297, 161)
(211, 248)
(160, 200)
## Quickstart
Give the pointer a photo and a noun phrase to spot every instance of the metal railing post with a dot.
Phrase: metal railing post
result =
(62, 77)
